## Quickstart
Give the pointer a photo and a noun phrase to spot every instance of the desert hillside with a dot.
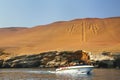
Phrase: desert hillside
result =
(90, 34)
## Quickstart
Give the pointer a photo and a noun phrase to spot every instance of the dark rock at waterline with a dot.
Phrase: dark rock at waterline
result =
(6, 65)
(26, 64)
(1, 63)
(105, 64)
(106, 60)
(47, 59)
(117, 63)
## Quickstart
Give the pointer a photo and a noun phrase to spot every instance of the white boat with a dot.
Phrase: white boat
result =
(81, 69)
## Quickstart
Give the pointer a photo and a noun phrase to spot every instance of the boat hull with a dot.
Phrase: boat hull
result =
(75, 69)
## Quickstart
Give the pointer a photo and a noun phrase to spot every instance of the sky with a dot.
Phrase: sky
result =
(29, 13)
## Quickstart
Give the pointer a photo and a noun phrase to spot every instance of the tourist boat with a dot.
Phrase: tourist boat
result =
(81, 69)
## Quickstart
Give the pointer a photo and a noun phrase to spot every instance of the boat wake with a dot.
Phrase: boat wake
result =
(42, 72)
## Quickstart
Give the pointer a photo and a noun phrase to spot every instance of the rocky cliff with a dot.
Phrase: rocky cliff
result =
(47, 59)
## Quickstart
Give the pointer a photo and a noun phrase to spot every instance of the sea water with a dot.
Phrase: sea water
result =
(50, 74)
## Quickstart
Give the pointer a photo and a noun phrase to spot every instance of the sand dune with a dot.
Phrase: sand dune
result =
(91, 34)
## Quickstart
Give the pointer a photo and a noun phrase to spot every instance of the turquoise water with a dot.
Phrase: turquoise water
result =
(49, 74)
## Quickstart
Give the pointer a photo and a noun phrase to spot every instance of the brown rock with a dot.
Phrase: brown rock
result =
(1, 63)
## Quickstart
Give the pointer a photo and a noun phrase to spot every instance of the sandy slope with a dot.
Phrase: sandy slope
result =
(91, 34)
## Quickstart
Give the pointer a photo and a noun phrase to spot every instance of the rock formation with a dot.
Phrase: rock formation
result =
(47, 59)
(106, 60)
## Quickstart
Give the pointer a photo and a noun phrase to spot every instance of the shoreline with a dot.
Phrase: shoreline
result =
(54, 59)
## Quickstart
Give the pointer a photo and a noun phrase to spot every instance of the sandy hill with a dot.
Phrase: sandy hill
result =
(91, 34)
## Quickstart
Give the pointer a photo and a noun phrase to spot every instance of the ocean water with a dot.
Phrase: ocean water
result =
(50, 74)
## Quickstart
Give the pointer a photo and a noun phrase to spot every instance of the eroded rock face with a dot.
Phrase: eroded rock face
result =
(106, 60)
(47, 59)
(117, 61)
(1, 63)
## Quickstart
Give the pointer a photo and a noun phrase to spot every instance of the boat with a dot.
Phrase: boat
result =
(81, 69)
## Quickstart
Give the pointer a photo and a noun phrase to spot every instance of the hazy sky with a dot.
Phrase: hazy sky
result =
(29, 13)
